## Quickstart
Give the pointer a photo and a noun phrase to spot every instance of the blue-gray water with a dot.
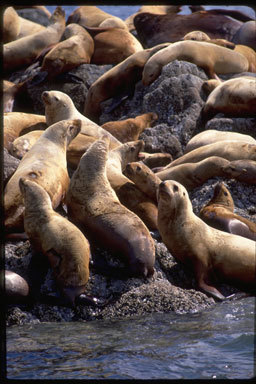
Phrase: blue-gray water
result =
(218, 343)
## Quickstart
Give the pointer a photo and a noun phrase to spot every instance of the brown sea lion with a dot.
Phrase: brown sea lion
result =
(130, 129)
(211, 57)
(19, 123)
(234, 97)
(24, 51)
(158, 159)
(212, 136)
(219, 214)
(156, 29)
(45, 164)
(94, 207)
(11, 25)
(16, 287)
(192, 175)
(118, 81)
(66, 248)
(210, 252)
(242, 170)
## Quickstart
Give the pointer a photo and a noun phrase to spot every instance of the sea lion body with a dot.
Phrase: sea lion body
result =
(64, 245)
(219, 214)
(93, 206)
(11, 25)
(212, 58)
(208, 251)
(242, 170)
(22, 52)
(44, 164)
(28, 27)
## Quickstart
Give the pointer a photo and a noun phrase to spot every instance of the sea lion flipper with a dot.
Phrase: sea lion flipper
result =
(237, 227)
(212, 291)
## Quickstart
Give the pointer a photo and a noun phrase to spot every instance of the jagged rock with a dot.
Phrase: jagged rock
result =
(10, 166)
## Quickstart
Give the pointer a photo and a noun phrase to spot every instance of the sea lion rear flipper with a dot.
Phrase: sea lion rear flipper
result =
(237, 227)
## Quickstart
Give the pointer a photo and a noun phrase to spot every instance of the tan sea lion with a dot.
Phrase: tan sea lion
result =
(234, 97)
(94, 207)
(28, 27)
(24, 51)
(211, 57)
(66, 248)
(209, 85)
(11, 25)
(130, 129)
(76, 49)
(242, 170)
(16, 287)
(230, 150)
(210, 252)
(219, 214)
(20, 146)
(192, 175)
(112, 45)
(250, 55)
(45, 164)
(19, 123)
(212, 136)
(158, 159)
(117, 81)
(59, 106)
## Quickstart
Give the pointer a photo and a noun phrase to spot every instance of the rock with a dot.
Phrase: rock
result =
(35, 15)
(10, 166)
(236, 124)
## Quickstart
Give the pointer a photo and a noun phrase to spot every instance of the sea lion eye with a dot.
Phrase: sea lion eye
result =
(225, 193)
(138, 168)
(132, 149)
(175, 188)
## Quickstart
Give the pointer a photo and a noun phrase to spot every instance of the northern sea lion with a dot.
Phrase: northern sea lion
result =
(16, 287)
(212, 136)
(192, 175)
(45, 164)
(242, 170)
(11, 25)
(20, 123)
(118, 81)
(219, 214)
(158, 159)
(130, 129)
(66, 248)
(94, 207)
(22, 52)
(59, 106)
(28, 27)
(211, 57)
(235, 97)
(210, 252)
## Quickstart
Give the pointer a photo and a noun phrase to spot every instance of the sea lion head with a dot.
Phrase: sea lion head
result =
(172, 198)
(150, 72)
(222, 196)
(58, 106)
(64, 131)
(196, 36)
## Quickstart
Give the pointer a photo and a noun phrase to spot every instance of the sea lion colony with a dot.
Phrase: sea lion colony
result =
(110, 179)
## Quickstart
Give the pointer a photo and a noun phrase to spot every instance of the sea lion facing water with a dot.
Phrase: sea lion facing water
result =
(94, 207)
(219, 213)
(210, 252)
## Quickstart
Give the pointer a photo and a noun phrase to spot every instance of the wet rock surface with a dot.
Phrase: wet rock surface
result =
(176, 96)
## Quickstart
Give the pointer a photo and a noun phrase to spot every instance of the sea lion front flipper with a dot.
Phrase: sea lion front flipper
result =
(201, 275)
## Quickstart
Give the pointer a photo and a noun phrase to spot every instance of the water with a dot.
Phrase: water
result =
(217, 343)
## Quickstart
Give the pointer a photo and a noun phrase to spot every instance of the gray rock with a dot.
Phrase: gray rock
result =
(35, 15)
(10, 166)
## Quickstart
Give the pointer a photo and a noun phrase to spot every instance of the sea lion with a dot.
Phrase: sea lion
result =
(94, 207)
(10, 91)
(11, 25)
(20, 146)
(22, 52)
(59, 106)
(212, 136)
(210, 252)
(118, 81)
(242, 170)
(76, 49)
(192, 175)
(158, 159)
(19, 123)
(16, 287)
(66, 248)
(209, 85)
(28, 27)
(45, 164)
(156, 29)
(234, 97)
(245, 35)
(230, 150)
(211, 57)
(219, 214)
(130, 129)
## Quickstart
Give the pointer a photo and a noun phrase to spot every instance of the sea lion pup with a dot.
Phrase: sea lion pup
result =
(245, 35)
(45, 164)
(212, 136)
(130, 129)
(230, 150)
(112, 45)
(192, 175)
(18, 123)
(11, 25)
(76, 49)
(210, 252)
(211, 57)
(234, 97)
(16, 288)
(59, 106)
(219, 213)
(22, 52)
(94, 207)
(242, 170)
(144, 178)
(118, 81)
(66, 248)
(127, 192)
